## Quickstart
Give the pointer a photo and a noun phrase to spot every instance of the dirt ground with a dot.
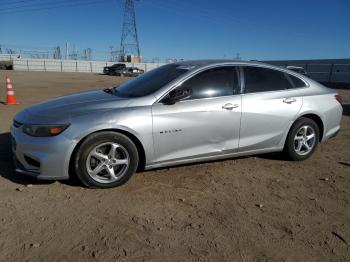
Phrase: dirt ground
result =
(260, 208)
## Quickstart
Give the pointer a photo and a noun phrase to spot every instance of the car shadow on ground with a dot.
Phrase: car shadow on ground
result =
(145, 171)
(346, 110)
(277, 156)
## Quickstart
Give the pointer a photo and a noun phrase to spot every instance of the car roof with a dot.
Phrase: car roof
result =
(194, 65)
(295, 67)
(208, 62)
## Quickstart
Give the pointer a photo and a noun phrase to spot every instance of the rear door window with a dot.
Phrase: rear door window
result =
(259, 79)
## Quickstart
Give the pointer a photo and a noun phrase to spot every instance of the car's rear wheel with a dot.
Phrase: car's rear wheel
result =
(302, 139)
(106, 159)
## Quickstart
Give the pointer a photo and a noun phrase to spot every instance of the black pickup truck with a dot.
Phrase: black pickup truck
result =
(6, 65)
(114, 69)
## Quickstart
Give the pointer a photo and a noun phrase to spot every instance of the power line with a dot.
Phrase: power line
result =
(17, 2)
(40, 7)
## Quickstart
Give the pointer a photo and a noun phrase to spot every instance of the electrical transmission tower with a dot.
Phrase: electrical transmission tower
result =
(129, 43)
(57, 53)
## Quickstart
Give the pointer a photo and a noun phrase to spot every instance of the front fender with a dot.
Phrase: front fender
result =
(136, 121)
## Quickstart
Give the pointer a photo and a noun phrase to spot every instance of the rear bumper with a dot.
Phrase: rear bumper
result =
(331, 133)
(41, 157)
(335, 134)
(332, 120)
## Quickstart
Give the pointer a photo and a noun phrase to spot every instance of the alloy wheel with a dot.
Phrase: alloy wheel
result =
(107, 162)
(304, 140)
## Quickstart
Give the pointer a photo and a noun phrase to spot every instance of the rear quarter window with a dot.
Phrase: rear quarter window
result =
(297, 82)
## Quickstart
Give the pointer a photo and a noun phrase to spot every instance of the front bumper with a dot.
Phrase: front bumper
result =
(41, 157)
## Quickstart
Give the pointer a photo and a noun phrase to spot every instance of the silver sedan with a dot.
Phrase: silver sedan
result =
(179, 113)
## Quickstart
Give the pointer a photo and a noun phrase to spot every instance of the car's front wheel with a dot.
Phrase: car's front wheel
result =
(302, 139)
(106, 159)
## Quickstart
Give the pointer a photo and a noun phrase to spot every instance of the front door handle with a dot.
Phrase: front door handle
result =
(229, 106)
(289, 100)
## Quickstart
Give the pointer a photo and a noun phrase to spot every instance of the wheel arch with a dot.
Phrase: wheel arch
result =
(132, 137)
(318, 121)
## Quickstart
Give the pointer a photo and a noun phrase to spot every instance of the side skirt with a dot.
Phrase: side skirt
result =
(210, 158)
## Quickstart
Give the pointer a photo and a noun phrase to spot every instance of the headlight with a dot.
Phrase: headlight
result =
(44, 130)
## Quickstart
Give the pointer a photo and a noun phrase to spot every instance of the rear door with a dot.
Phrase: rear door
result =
(269, 105)
(205, 124)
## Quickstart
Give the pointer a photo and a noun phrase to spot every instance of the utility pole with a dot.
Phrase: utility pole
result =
(67, 50)
(111, 53)
(129, 43)
(238, 57)
(57, 53)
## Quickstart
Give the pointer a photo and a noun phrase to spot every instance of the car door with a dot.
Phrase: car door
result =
(206, 123)
(270, 104)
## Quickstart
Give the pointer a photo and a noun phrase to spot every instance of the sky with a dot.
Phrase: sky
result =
(187, 29)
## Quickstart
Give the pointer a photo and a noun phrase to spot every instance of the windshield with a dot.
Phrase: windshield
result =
(150, 82)
(118, 65)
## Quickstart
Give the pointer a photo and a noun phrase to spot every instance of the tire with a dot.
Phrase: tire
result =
(298, 146)
(95, 153)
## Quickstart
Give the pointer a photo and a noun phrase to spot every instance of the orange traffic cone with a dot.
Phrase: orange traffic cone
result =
(11, 98)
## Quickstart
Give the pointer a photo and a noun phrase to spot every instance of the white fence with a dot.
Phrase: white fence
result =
(54, 65)
(9, 57)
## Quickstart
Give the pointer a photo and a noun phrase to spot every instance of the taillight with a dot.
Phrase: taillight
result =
(339, 98)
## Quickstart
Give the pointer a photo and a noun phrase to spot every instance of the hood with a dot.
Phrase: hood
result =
(56, 110)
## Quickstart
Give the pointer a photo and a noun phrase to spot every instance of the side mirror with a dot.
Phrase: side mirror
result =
(176, 95)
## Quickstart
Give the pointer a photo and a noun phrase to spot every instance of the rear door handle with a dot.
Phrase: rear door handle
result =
(229, 106)
(289, 100)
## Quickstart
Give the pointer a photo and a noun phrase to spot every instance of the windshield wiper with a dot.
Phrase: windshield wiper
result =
(108, 90)
(111, 91)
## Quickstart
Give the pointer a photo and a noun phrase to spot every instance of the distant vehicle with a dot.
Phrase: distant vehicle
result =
(6, 61)
(6, 65)
(114, 69)
(298, 69)
(131, 71)
(176, 114)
